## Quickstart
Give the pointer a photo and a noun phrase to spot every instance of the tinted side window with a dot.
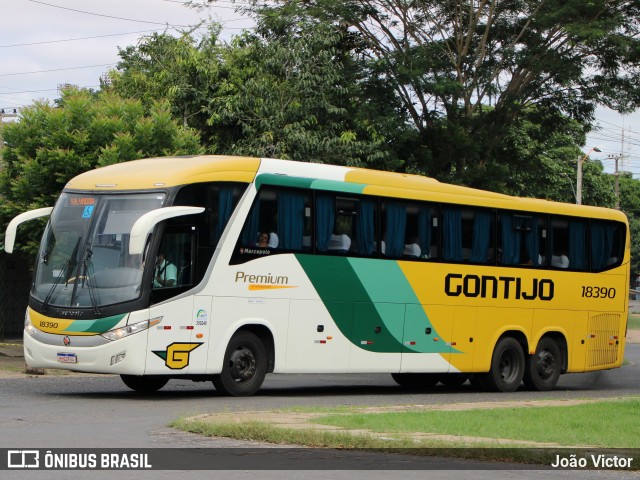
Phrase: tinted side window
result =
(607, 244)
(569, 243)
(521, 239)
(279, 222)
(467, 235)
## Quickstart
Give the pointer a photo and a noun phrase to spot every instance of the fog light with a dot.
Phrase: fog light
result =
(117, 358)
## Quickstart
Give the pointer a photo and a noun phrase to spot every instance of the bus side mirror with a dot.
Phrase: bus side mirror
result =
(144, 225)
(12, 228)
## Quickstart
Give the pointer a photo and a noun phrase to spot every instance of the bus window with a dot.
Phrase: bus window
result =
(569, 243)
(607, 244)
(283, 213)
(174, 261)
(421, 234)
(365, 228)
(467, 235)
(522, 239)
(394, 230)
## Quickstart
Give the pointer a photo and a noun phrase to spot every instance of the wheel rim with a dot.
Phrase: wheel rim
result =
(243, 365)
(508, 366)
(546, 365)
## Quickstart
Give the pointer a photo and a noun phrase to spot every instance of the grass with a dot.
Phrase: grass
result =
(634, 322)
(590, 424)
(603, 424)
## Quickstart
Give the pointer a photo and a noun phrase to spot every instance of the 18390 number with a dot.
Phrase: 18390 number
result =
(598, 292)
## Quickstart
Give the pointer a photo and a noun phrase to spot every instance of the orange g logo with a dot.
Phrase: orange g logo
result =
(176, 356)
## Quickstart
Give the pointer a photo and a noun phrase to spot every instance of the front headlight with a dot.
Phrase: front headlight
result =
(118, 333)
(28, 326)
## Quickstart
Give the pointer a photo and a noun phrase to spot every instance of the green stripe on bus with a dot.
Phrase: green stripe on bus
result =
(308, 183)
(100, 325)
(347, 287)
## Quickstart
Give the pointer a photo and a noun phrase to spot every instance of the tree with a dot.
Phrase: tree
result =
(465, 70)
(185, 71)
(304, 96)
(630, 204)
(50, 144)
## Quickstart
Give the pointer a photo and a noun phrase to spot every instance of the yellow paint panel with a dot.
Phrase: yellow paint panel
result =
(49, 324)
(416, 187)
(154, 173)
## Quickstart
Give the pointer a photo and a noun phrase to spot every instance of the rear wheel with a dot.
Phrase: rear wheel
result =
(507, 366)
(543, 368)
(244, 367)
(144, 383)
(416, 380)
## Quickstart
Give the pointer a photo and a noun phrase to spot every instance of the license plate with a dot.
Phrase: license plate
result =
(67, 358)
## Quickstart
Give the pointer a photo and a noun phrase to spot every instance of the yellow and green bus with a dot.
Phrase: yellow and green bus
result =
(228, 268)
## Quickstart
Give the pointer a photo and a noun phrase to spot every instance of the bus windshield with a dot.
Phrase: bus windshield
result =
(84, 258)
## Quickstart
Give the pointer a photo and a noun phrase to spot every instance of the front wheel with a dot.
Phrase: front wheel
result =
(543, 368)
(144, 383)
(507, 366)
(244, 367)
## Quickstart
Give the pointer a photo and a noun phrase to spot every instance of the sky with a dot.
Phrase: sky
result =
(44, 44)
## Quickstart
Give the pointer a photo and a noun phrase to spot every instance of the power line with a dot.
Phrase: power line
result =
(56, 70)
(75, 39)
(103, 15)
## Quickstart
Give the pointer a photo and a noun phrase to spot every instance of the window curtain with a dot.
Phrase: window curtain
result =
(290, 220)
(325, 219)
(452, 231)
(532, 242)
(577, 245)
(252, 226)
(225, 208)
(481, 237)
(424, 230)
(510, 240)
(601, 244)
(396, 227)
(366, 227)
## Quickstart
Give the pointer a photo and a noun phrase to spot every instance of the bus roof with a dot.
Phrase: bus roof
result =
(162, 172)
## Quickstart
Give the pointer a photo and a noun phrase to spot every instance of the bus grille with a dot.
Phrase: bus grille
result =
(604, 343)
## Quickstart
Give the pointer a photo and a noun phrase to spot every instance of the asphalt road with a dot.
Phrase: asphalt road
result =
(100, 412)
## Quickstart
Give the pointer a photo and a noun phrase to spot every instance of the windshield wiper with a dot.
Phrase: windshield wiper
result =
(67, 267)
(87, 276)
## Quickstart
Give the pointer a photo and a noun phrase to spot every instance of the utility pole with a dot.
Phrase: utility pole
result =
(579, 175)
(616, 173)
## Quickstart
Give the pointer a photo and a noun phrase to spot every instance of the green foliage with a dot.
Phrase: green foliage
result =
(464, 71)
(50, 144)
(184, 71)
(302, 96)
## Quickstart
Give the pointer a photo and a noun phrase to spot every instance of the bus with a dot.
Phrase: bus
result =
(224, 269)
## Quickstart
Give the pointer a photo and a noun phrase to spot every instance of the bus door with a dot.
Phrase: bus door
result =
(176, 344)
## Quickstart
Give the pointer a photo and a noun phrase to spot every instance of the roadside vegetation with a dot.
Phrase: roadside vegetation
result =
(470, 433)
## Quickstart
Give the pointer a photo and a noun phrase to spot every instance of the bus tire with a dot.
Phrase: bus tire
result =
(542, 370)
(507, 366)
(144, 383)
(244, 367)
(416, 380)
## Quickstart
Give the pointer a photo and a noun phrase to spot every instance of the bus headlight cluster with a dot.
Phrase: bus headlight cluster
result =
(118, 333)
(28, 326)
